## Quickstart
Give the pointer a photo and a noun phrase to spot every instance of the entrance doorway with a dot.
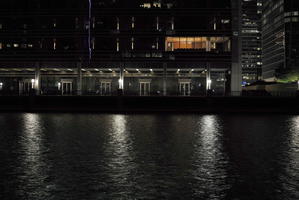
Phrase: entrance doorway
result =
(67, 87)
(144, 88)
(185, 88)
(106, 88)
(26, 86)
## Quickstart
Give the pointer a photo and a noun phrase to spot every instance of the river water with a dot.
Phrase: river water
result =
(113, 156)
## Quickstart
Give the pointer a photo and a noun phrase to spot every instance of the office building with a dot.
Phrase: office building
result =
(110, 47)
(251, 41)
(280, 38)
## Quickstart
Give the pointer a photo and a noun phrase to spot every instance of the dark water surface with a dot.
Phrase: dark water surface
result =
(106, 156)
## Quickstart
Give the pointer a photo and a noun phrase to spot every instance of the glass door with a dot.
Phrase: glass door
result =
(144, 88)
(25, 87)
(105, 88)
(185, 88)
(67, 88)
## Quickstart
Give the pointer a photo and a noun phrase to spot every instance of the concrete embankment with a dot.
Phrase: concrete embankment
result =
(135, 104)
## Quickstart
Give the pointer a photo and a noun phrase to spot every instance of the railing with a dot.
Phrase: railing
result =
(204, 93)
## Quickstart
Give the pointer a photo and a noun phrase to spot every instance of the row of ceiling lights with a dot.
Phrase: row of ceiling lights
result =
(98, 70)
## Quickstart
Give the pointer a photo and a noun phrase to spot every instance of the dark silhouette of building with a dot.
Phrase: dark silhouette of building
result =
(109, 47)
(251, 41)
(280, 37)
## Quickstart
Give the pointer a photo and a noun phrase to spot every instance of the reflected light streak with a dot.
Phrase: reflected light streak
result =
(119, 148)
(33, 155)
(291, 159)
(32, 138)
(209, 132)
(295, 134)
(210, 163)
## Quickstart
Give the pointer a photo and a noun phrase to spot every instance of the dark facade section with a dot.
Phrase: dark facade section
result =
(251, 41)
(280, 37)
(115, 47)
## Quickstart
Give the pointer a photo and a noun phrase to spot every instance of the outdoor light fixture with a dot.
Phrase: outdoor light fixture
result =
(59, 85)
(121, 83)
(209, 82)
(32, 83)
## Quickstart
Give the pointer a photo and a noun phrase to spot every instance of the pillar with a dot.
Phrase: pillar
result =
(79, 78)
(37, 79)
(164, 79)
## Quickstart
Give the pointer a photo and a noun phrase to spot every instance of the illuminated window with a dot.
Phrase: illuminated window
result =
(133, 22)
(54, 44)
(225, 21)
(0, 45)
(157, 5)
(146, 5)
(93, 22)
(117, 44)
(54, 23)
(172, 23)
(117, 23)
(132, 43)
(93, 43)
(200, 43)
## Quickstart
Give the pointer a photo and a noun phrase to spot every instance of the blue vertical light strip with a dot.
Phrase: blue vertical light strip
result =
(89, 32)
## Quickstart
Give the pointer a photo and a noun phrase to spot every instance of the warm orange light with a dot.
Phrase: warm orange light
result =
(207, 43)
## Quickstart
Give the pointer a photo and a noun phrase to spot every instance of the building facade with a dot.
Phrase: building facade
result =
(280, 37)
(251, 41)
(109, 47)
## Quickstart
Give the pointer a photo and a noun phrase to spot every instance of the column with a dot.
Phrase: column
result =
(79, 78)
(164, 79)
(37, 79)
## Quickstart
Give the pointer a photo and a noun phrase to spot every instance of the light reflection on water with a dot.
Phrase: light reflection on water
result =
(291, 175)
(209, 160)
(89, 156)
(120, 157)
(33, 164)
